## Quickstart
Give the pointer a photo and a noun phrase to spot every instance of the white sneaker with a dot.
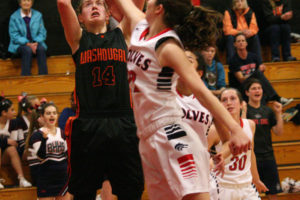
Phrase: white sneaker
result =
(98, 197)
(284, 101)
(24, 183)
(1, 181)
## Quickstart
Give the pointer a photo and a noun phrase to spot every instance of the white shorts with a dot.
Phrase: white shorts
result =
(214, 187)
(238, 192)
(175, 163)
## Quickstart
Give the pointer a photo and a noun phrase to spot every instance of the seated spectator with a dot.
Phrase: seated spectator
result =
(244, 65)
(66, 113)
(241, 19)
(214, 75)
(277, 14)
(27, 37)
(266, 120)
(8, 130)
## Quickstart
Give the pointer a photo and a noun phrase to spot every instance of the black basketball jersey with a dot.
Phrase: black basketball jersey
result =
(101, 75)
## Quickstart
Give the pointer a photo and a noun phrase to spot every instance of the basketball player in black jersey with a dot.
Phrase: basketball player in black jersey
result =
(103, 142)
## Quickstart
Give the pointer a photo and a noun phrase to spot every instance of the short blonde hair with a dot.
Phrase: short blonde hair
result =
(234, 4)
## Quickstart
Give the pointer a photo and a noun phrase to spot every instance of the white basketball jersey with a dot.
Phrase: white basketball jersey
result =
(153, 86)
(196, 115)
(237, 168)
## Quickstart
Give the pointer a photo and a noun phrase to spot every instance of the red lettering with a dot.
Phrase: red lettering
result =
(89, 56)
(94, 54)
(99, 54)
(110, 54)
(82, 58)
(115, 52)
(104, 54)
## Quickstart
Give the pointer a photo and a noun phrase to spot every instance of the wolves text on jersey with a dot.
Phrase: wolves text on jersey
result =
(99, 54)
(138, 59)
(199, 116)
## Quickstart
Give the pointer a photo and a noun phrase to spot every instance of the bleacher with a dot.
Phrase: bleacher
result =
(57, 86)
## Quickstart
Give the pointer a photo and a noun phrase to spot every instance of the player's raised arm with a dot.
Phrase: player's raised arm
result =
(218, 133)
(131, 10)
(171, 54)
(70, 23)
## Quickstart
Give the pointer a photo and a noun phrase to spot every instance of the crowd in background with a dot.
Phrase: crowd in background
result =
(33, 136)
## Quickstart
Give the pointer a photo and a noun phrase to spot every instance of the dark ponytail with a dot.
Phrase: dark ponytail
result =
(175, 11)
(5, 104)
(34, 124)
(197, 27)
(201, 28)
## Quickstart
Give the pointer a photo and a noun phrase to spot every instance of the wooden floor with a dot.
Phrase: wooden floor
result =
(57, 86)
(283, 196)
(18, 194)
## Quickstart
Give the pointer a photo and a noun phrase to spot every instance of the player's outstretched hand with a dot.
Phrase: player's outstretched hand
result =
(219, 164)
(239, 143)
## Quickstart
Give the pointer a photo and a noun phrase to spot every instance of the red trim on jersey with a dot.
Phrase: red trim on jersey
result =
(146, 31)
(241, 123)
(76, 101)
(182, 95)
(68, 134)
(179, 93)
(131, 99)
(196, 2)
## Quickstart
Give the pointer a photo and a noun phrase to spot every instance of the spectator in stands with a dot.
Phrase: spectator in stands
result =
(50, 146)
(214, 75)
(27, 37)
(8, 129)
(244, 65)
(66, 113)
(26, 105)
(241, 19)
(266, 120)
(277, 14)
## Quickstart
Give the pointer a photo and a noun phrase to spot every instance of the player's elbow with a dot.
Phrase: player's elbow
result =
(61, 3)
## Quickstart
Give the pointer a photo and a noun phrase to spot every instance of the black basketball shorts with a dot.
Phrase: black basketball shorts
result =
(105, 148)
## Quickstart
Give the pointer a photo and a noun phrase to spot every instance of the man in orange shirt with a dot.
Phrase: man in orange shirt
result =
(241, 19)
